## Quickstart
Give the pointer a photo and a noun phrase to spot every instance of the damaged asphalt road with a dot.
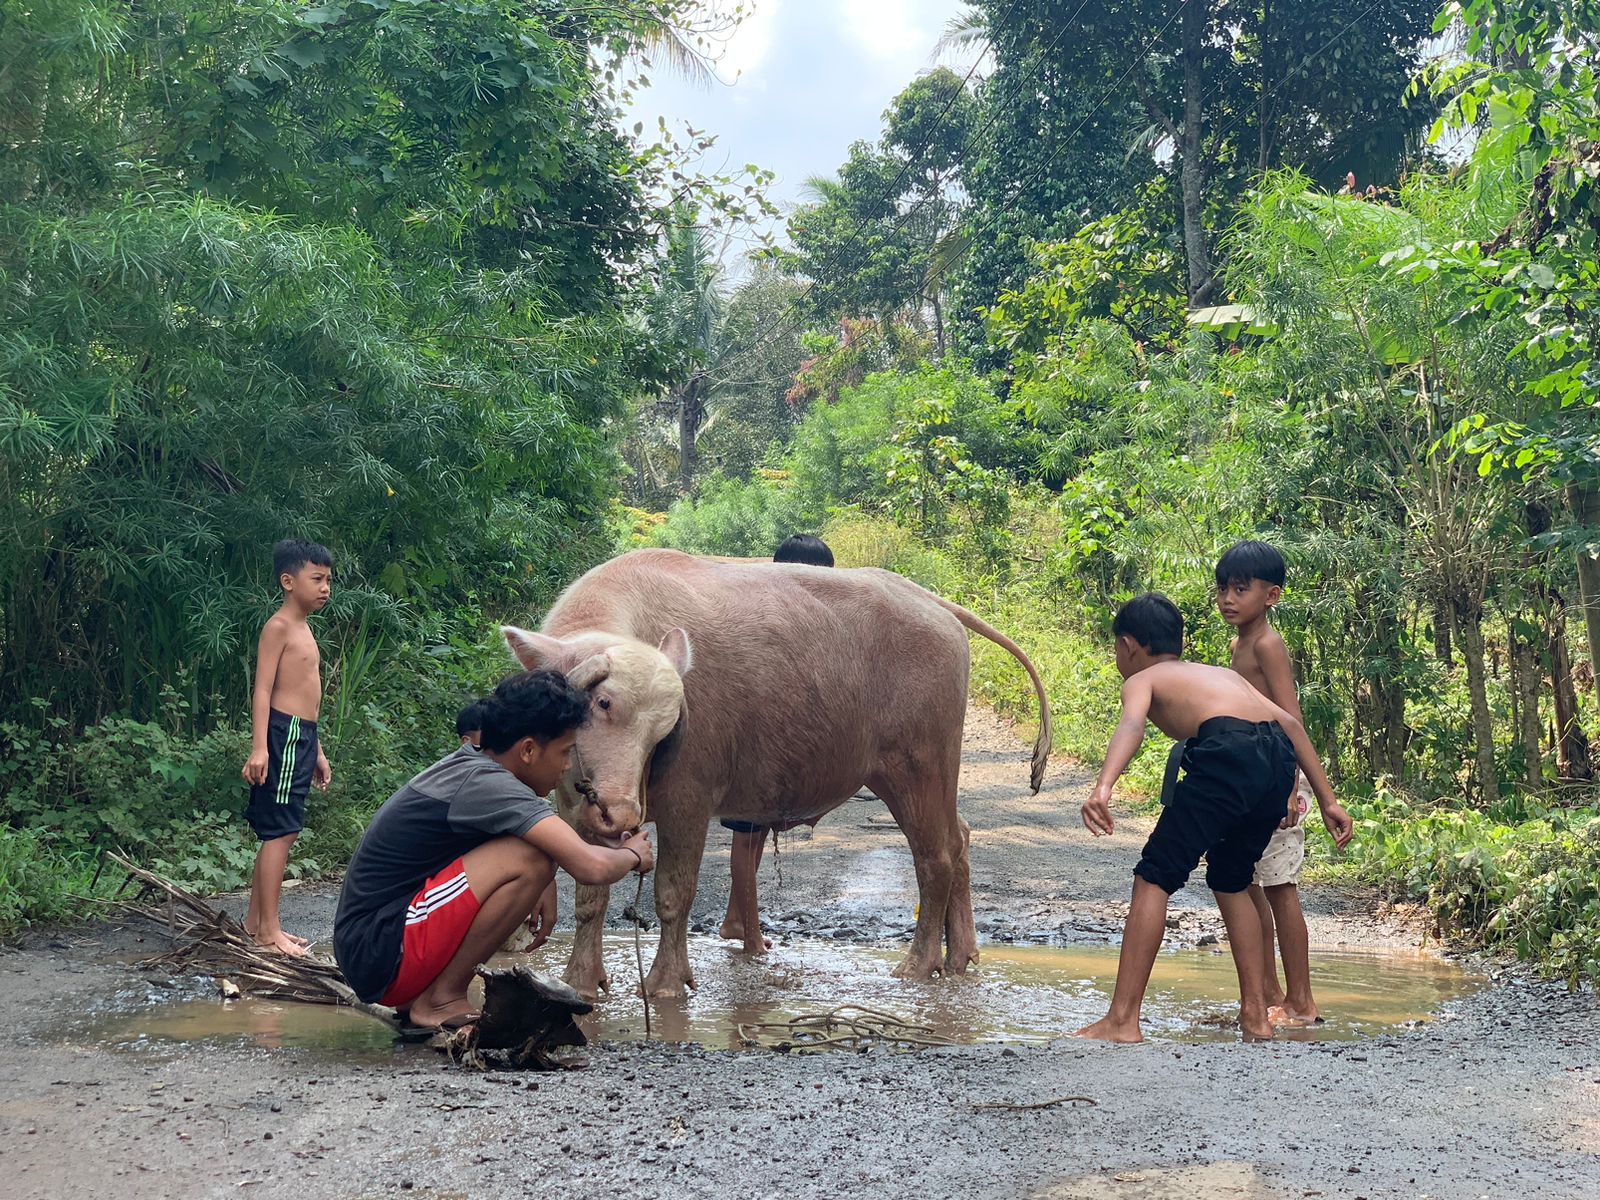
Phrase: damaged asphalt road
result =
(1499, 1096)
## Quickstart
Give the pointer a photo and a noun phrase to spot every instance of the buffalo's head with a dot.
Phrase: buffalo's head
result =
(635, 702)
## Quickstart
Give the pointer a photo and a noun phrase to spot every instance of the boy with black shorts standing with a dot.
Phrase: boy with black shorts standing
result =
(743, 922)
(1250, 579)
(1238, 785)
(285, 757)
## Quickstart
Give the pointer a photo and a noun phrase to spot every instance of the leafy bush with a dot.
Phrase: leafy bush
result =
(42, 878)
(1532, 887)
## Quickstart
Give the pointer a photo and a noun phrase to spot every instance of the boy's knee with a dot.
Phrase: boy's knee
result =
(1228, 878)
(1168, 878)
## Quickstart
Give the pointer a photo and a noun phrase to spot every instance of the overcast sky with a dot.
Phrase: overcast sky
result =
(801, 80)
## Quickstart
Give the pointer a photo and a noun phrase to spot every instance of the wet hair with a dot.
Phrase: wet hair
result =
(470, 719)
(804, 548)
(1153, 621)
(537, 704)
(1245, 561)
(289, 555)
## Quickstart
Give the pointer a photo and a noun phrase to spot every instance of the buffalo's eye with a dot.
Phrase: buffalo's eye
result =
(604, 702)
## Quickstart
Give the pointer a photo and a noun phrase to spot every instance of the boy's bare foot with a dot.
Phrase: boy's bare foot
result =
(761, 946)
(732, 930)
(283, 943)
(303, 943)
(453, 1015)
(1292, 1017)
(1107, 1030)
(1255, 1026)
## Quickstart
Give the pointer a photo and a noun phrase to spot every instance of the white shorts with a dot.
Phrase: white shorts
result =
(1285, 854)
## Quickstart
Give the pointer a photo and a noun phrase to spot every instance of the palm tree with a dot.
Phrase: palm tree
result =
(686, 316)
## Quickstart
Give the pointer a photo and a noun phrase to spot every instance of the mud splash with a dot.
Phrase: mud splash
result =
(1018, 994)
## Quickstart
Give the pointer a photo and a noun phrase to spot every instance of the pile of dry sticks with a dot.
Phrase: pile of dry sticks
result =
(206, 941)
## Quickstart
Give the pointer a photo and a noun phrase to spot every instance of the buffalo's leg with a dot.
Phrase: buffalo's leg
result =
(960, 933)
(923, 803)
(586, 969)
(681, 844)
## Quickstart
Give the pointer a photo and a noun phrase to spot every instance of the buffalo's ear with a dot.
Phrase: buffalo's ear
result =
(535, 651)
(675, 645)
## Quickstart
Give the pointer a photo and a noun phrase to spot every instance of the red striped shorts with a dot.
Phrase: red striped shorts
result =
(436, 924)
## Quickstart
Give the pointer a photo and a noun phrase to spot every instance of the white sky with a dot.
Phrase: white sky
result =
(801, 80)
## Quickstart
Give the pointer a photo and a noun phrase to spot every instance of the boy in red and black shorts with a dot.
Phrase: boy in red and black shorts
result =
(459, 857)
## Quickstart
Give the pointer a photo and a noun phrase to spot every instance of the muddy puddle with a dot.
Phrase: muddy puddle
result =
(1018, 994)
(264, 1024)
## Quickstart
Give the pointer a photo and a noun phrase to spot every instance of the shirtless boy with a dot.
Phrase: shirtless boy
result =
(285, 757)
(1238, 785)
(1250, 579)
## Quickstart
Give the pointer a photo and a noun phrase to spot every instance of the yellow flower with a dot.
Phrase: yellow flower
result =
(388, 489)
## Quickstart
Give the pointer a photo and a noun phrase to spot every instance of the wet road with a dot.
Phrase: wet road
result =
(1499, 1095)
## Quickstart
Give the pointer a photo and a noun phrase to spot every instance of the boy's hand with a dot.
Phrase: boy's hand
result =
(322, 773)
(639, 843)
(542, 920)
(1339, 824)
(1096, 812)
(1293, 817)
(255, 768)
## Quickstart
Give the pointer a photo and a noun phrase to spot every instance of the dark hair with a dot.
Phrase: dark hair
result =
(537, 704)
(289, 555)
(1153, 621)
(470, 718)
(804, 548)
(1245, 561)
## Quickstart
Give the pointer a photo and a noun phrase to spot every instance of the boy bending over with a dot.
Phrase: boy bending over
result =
(458, 858)
(285, 756)
(1238, 785)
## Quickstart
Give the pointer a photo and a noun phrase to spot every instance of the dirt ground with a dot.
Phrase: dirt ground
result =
(1498, 1097)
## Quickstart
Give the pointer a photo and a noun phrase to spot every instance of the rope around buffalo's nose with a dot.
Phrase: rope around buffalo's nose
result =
(638, 897)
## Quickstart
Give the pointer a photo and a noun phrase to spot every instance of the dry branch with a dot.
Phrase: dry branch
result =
(210, 942)
(847, 1027)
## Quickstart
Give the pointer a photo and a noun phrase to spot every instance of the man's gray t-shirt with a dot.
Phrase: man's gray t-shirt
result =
(462, 801)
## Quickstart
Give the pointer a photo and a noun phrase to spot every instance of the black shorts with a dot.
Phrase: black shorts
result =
(1234, 792)
(744, 826)
(277, 807)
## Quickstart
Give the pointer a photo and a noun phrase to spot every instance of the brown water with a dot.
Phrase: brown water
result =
(1017, 994)
(263, 1023)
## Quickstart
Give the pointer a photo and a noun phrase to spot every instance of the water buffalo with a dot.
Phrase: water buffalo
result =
(766, 693)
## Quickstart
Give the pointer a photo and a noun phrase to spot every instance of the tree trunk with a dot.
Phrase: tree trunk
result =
(1584, 503)
(1468, 622)
(691, 415)
(1526, 679)
(1192, 174)
(938, 326)
(1441, 633)
(1572, 747)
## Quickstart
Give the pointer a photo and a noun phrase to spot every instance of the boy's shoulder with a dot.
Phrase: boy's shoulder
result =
(1264, 636)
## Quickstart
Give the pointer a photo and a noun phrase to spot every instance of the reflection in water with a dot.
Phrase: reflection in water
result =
(264, 1023)
(1018, 993)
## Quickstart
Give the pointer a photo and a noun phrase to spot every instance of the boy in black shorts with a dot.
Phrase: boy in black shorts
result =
(1239, 784)
(743, 922)
(455, 860)
(285, 757)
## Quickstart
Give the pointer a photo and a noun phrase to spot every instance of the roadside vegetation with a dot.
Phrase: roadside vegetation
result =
(1034, 375)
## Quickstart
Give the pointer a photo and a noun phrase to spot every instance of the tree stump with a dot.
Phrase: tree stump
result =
(526, 1015)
